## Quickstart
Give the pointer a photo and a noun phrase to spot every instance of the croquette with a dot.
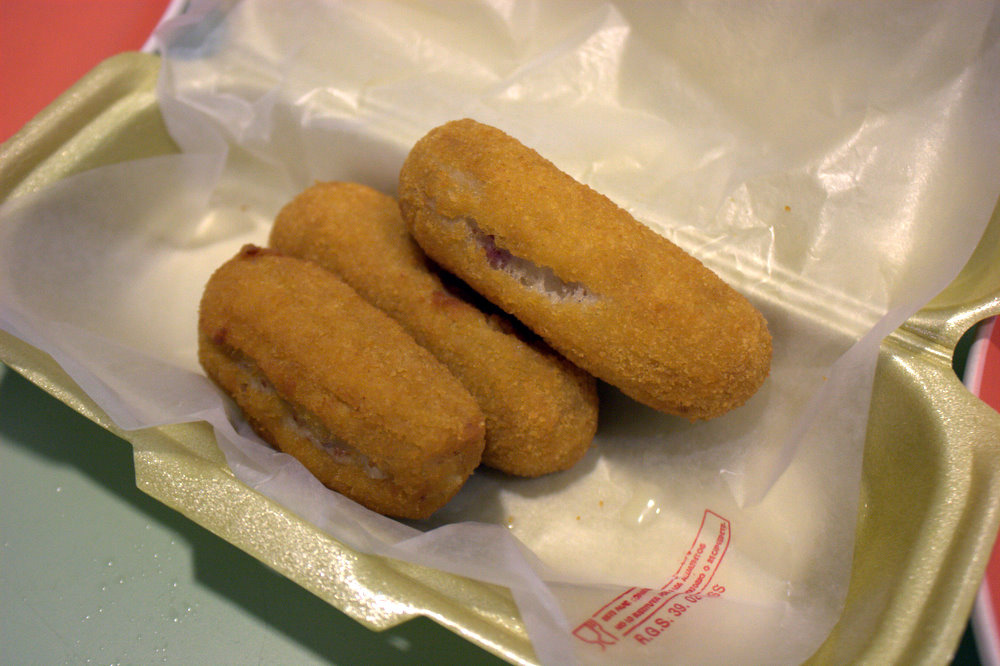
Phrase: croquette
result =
(330, 379)
(610, 294)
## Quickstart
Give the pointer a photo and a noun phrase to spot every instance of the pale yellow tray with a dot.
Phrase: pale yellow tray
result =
(930, 489)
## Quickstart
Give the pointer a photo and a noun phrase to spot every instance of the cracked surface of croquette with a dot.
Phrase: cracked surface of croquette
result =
(540, 410)
(656, 322)
(330, 379)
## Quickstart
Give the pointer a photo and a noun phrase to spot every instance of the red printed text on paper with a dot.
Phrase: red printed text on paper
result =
(643, 614)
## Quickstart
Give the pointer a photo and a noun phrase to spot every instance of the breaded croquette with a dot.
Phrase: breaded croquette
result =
(540, 410)
(607, 292)
(328, 378)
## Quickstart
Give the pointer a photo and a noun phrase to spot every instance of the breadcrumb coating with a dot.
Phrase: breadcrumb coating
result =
(328, 378)
(614, 297)
(540, 410)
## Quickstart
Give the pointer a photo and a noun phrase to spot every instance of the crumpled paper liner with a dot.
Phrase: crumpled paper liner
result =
(832, 202)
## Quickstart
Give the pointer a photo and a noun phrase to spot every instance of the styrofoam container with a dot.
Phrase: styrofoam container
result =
(930, 490)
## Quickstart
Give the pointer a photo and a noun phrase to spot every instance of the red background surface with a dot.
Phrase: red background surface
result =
(47, 45)
(989, 389)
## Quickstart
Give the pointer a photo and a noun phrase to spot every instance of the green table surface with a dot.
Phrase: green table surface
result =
(92, 570)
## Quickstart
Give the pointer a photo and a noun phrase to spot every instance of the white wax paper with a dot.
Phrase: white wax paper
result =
(835, 162)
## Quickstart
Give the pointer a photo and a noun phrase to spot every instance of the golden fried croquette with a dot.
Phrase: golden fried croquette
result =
(540, 410)
(610, 294)
(328, 378)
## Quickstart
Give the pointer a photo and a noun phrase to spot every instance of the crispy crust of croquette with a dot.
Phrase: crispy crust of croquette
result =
(652, 320)
(540, 410)
(311, 363)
